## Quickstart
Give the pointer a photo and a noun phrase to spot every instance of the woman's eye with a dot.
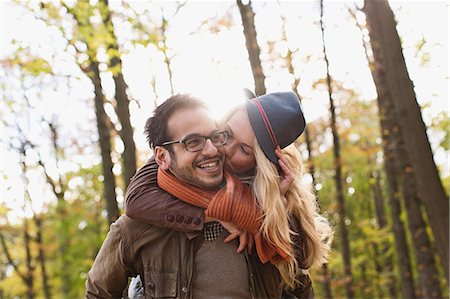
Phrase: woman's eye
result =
(244, 150)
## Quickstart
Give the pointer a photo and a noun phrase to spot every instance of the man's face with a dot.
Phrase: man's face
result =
(203, 168)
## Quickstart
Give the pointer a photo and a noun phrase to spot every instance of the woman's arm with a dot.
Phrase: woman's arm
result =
(146, 202)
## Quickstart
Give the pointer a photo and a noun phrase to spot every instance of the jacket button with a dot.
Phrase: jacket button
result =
(188, 220)
(180, 218)
(197, 221)
(170, 218)
(184, 289)
(151, 285)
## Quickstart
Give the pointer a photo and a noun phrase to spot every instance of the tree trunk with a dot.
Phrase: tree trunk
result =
(41, 257)
(28, 262)
(428, 273)
(384, 38)
(25, 277)
(365, 289)
(379, 200)
(122, 100)
(429, 285)
(248, 22)
(403, 259)
(388, 268)
(311, 167)
(338, 176)
(103, 121)
(104, 133)
(163, 49)
(59, 189)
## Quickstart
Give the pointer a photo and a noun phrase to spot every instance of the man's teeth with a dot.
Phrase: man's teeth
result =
(208, 165)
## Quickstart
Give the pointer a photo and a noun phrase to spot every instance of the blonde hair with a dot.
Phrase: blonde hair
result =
(300, 202)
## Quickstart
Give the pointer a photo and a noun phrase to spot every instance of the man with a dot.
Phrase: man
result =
(171, 263)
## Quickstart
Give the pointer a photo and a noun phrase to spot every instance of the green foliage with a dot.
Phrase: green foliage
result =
(79, 225)
(440, 124)
(28, 63)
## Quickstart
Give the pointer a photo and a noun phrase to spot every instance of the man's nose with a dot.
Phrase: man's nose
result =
(209, 149)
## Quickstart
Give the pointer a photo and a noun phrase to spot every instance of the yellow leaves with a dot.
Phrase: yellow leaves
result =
(32, 65)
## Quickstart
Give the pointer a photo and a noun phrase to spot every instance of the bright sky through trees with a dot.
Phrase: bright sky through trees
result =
(210, 60)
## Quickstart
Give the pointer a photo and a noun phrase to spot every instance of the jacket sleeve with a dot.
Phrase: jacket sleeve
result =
(304, 290)
(109, 274)
(300, 248)
(146, 202)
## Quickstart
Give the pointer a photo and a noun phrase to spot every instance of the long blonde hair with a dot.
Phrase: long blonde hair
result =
(300, 202)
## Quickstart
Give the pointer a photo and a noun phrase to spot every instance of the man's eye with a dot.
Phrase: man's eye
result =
(193, 141)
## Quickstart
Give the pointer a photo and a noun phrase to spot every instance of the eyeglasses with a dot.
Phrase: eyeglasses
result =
(197, 143)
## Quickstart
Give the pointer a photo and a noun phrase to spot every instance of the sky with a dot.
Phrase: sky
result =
(214, 66)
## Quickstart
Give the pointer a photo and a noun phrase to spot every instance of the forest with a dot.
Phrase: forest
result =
(79, 78)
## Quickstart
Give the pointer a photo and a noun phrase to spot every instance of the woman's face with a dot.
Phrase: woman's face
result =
(240, 157)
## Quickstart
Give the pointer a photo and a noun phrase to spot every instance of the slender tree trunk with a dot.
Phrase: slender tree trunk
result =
(122, 100)
(379, 212)
(163, 49)
(365, 285)
(338, 176)
(378, 194)
(387, 269)
(311, 167)
(104, 133)
(103, 121)
(376, 257)
(37, 220)
(248, 22)
(2, 292)
(27, 278)
(28, 261)
(59, 189)
(379, 200)
(41, 257)
(386, 43)
(403, 259)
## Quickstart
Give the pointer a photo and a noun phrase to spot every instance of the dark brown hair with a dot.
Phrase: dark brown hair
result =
(156, 129)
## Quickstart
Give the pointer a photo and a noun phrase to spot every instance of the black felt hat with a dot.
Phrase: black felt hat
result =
(276, 118)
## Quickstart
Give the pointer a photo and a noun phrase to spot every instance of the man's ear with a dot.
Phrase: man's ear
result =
(162, 157)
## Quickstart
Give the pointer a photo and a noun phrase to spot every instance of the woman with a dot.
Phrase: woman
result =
(256, 134)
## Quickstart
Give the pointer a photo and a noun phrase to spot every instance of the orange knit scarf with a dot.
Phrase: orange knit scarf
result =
(232, 203)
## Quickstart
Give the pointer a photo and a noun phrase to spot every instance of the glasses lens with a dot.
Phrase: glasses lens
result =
(219, 139)
(195, 143)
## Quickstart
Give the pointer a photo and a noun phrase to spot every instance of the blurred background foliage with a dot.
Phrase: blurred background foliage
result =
(79, 79)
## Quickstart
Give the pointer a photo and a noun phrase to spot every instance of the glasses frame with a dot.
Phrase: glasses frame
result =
(183, 141)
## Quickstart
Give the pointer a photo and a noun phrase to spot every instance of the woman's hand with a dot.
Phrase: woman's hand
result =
(245, 238)
(286, 176)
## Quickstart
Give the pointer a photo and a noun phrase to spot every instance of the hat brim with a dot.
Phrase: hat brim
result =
(260, 130)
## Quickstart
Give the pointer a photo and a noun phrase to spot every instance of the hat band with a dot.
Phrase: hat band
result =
(266, 122)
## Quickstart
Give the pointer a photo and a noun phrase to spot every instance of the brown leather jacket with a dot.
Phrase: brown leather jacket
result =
(164, 258)
(144, 201)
